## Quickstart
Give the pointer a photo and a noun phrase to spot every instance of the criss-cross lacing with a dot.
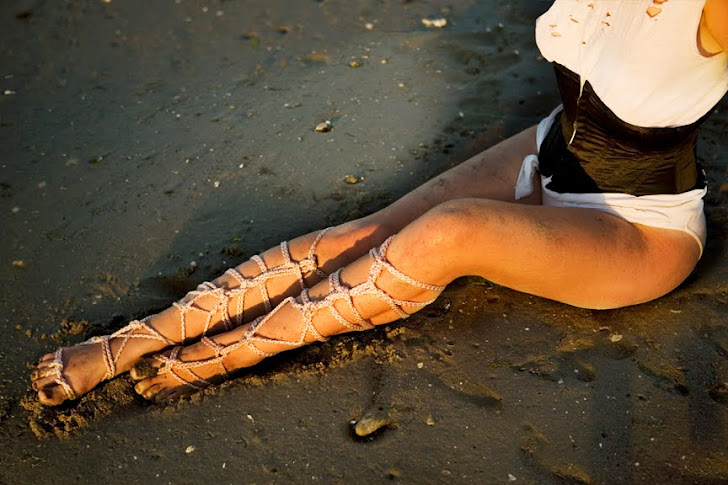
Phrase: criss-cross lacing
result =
(308, 308)
(140, 329)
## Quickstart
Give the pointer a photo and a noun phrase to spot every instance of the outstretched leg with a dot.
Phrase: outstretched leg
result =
(70, 372)
(237, 297)
(578, 256)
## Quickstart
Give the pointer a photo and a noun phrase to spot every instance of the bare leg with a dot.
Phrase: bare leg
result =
(577, 256)
(491, 174)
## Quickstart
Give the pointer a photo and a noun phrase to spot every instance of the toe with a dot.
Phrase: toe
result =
(144, 369)
(41, 370)
(170, 394)
(143, 385)
(152, 394)
(46, 359)
(42, 382)
(51, 395)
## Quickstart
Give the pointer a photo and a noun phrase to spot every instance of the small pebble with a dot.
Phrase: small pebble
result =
(350, 179)
(189, 449)
(434, 23)
(394, 473)
(653, 11)
(216, 184)
(354, 64)
(19, 263)
(615, 337)
(370, 424)
(324, 127)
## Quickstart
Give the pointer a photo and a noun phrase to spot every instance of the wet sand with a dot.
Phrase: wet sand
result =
(139, 137)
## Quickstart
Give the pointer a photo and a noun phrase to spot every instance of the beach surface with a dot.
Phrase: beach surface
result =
(147, 146)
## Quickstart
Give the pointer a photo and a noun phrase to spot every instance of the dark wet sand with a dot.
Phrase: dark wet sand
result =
(137, 137)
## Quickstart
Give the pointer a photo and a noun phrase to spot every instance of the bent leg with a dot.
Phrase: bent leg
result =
(582, 257)
(578, 256)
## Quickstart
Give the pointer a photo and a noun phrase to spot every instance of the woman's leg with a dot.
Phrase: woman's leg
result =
(578, 256)
(491, 174)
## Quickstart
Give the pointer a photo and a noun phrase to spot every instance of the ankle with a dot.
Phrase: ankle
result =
(130, 350)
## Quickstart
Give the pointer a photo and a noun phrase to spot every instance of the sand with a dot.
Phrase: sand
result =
(140, 137)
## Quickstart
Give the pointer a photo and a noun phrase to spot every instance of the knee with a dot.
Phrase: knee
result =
(449, 228)
(442, 244)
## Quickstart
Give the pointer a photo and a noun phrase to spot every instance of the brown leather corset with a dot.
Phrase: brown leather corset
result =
(608, 155)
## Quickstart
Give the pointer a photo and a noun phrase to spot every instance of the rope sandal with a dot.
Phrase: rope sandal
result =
(139, 329)
(308, 308)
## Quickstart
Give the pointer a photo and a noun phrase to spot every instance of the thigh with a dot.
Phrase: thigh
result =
(582, 257)
(492, 174)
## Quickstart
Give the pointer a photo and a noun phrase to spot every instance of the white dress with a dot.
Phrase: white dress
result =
(647, 70)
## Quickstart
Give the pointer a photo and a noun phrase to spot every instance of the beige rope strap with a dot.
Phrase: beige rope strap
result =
(171, 365)
(223, 295)
(308, 309)
(139, 329)
(131, 331)
(339, 292)
(55, 369)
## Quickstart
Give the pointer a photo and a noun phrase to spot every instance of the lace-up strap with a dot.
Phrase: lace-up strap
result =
(340, 293)
(136, 329)
(55, 370)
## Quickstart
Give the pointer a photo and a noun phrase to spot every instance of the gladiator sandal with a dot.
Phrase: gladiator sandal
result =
(139, 329)
(183, 371)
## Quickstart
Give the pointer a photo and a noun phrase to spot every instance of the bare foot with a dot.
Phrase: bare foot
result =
(238, 296)
(81, 374)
